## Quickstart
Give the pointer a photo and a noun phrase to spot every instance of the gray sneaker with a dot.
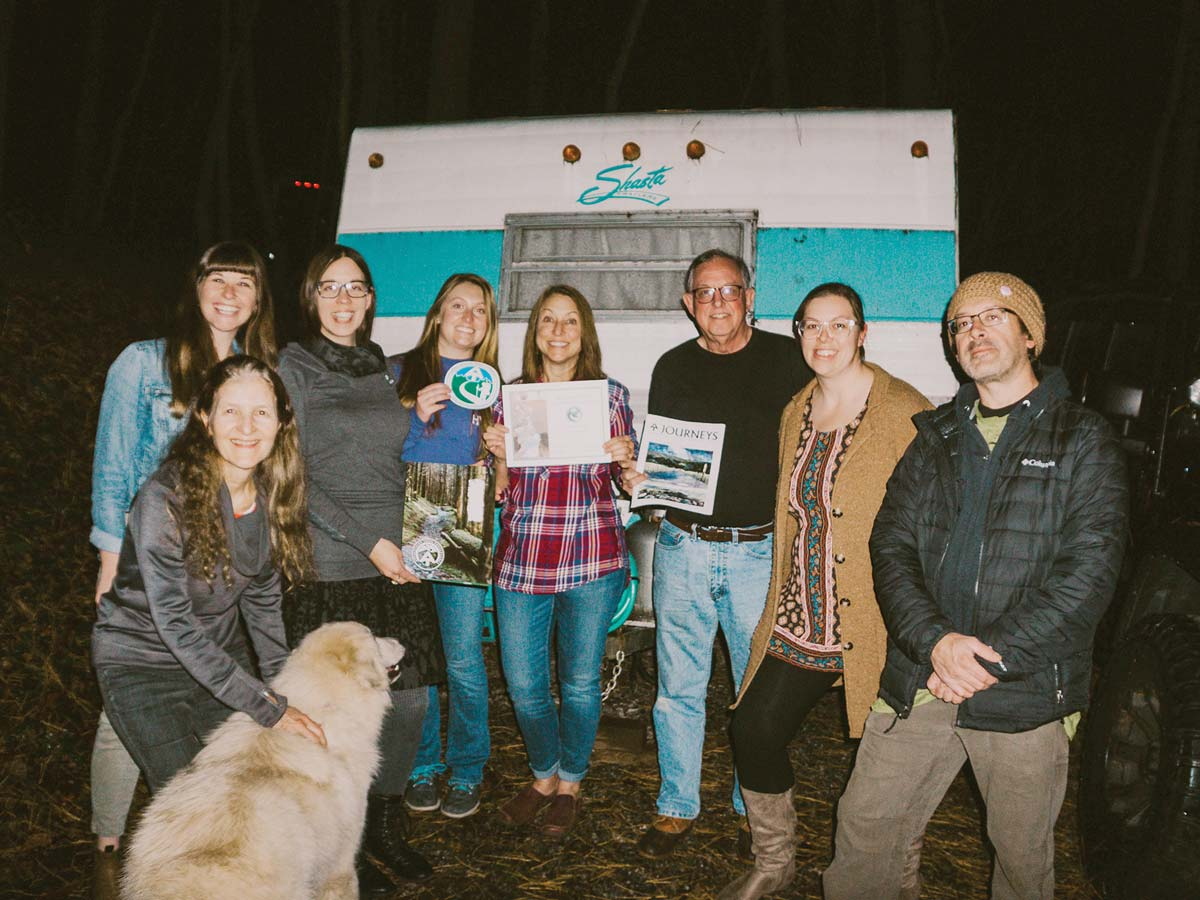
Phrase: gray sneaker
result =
(422, 794)
(462, 800)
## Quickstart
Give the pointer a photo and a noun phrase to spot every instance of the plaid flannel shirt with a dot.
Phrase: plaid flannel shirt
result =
(560, 527)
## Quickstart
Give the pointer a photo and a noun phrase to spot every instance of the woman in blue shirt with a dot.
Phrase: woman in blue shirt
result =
(461, 324)
(225, 304)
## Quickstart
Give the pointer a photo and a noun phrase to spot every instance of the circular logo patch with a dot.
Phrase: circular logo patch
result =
(425, 554)
(473, 385)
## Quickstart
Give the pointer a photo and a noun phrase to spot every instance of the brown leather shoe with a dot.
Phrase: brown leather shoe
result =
(561, 816)
(106, 874)
(523, 808)
(663, 836)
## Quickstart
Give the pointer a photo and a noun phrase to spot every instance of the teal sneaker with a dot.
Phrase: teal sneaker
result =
(422, 794)
(462, 800)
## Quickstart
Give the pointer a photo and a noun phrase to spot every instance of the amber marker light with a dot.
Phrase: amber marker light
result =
(571, 154)
(695, 149)
(920, 149)
(631, 151)
(375, 160)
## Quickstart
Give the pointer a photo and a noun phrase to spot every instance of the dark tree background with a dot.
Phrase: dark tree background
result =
(168, 125)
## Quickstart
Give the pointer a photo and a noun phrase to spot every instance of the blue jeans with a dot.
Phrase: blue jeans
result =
(557, 741)
(699, 585)
(468, 744)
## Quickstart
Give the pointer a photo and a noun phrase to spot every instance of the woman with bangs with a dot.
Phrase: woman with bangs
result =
(352, 433)
(460, 325)
(225, 307)
(561, 567)
(209, 535)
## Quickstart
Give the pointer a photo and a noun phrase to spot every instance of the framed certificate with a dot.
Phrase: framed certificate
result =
(559, 423)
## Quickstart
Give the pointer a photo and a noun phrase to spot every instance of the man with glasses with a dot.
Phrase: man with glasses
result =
(714, 570)
(995, 553)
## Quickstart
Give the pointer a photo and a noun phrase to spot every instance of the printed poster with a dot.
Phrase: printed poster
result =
(448, 522)
(683, 461)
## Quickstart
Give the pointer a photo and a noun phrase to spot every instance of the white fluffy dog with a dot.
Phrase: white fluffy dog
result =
(261, 813)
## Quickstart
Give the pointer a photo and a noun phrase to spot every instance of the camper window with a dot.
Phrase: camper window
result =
(624, 263)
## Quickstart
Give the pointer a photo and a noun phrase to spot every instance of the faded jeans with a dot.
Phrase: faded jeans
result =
(698, 586)
(114, 779)
(160, 715)
(468, 745)
(558, 741)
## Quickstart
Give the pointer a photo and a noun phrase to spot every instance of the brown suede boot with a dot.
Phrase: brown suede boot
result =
(773, 825)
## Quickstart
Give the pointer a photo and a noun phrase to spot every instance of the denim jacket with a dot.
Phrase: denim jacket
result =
(135, 429)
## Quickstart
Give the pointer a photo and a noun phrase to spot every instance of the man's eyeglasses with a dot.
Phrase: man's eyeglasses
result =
(730, 293)
(810, 329)
(329, 290)
(988, 318)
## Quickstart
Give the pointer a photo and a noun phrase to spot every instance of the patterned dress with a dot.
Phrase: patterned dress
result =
(806, 632)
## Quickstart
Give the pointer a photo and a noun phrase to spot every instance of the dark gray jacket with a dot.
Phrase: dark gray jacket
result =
(1035, 574)
(159, 615)
(352, 430)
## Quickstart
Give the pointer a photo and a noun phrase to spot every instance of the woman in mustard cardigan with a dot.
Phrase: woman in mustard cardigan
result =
(839, 440)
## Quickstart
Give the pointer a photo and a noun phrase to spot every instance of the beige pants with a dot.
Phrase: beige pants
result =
(902, 771)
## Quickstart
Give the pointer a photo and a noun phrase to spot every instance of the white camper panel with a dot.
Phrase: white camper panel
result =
(863, 197)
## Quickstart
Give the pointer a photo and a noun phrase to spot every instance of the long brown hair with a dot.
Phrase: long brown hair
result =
(310, 314)
(423, 363)
(190, 351)
(588, 367)
(280, 476)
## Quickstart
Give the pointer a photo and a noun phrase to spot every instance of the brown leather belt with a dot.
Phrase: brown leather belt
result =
(719, 535)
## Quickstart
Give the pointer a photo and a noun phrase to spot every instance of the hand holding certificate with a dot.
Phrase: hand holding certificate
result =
(681, 461)
(557, 423)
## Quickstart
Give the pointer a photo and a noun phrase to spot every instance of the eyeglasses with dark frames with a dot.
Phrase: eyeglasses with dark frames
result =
(329, 290)
(730, 293)
(988, 318)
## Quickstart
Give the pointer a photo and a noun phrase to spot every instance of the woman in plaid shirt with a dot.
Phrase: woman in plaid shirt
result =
(561, 567)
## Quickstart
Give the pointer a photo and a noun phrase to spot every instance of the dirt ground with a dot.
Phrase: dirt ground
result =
(59, 333)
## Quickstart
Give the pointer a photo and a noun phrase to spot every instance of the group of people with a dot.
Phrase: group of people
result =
(947, 566)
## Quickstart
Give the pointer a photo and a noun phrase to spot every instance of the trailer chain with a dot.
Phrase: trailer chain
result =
(612, 682)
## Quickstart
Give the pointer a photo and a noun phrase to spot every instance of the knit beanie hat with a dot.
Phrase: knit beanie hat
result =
(1009, 291)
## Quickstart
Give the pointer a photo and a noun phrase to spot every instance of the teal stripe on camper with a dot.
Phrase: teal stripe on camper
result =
(410, 266)
(900, 274)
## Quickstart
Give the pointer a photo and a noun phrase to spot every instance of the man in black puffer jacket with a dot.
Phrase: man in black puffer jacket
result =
(995, 554)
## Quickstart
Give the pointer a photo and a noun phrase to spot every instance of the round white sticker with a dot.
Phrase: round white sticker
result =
(473, 385)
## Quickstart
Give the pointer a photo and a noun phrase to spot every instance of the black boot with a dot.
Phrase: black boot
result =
(371, 881)
(387, 827)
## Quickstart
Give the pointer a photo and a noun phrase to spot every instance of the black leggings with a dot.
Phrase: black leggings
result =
(764, 723)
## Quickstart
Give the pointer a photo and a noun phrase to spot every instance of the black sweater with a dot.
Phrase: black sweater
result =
(747, 391)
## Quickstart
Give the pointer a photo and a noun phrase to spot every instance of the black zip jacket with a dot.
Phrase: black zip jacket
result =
(1032, 573)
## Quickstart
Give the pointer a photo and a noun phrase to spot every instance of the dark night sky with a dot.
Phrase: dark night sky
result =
(1057, 102)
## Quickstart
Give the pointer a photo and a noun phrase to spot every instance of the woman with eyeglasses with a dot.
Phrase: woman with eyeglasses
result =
(460, 325)
(224, 307)
(561, 568)
(839, 440)
(352, 431)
